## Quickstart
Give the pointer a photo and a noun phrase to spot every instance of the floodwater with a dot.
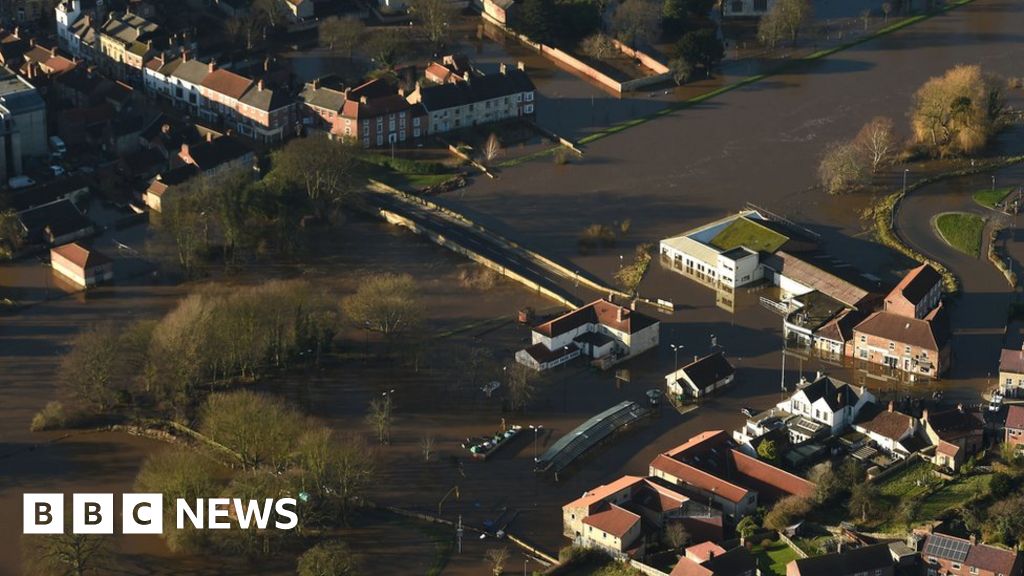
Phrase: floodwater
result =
(758, 144)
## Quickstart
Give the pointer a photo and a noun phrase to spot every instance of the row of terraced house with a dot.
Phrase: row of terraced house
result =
(134, 50)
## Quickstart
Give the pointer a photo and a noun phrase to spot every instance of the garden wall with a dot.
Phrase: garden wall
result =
(581, 68)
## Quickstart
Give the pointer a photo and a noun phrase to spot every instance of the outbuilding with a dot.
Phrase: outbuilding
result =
(81, 265)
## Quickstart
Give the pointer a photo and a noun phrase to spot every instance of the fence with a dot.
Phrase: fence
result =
(791, 544)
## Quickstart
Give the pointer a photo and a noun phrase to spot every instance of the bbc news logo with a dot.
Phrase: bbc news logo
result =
(143, 514)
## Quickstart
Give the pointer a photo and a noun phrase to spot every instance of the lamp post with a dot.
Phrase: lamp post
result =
(525, 560)
(905, 172)
(535, 429)
(676, 348)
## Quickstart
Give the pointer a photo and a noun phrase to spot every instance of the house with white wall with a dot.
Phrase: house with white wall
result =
(828, 401)
(600, 330)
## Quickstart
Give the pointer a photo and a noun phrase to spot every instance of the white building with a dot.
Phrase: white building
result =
(893, 432)
(827, 401)
(600, 330)
(478, 99)
(80, 265)
(746, 7)
(22, 124)
(701, 377)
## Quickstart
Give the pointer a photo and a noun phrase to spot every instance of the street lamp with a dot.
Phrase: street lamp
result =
(905, 172)
(676, 348)
(525, 560)
(535, 429)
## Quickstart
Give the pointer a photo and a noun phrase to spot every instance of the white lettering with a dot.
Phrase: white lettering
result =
(280, 507)
(195, 516)
(217, 508)
(245, 514)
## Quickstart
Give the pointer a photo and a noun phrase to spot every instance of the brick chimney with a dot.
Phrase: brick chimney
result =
(184, 55)
(266, 64)
(211, 66)
(259, 85)
(620, 314)
(521, 66)
(502, 69)
(209, 136)
(891, 406)
(924, 415)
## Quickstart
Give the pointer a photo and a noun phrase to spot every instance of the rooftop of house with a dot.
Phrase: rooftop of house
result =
(864, 560)
(709, 463)
(128, 27)
(264, 98)
(642, 492)
(60, 217)
(542, 355)
(49, 192)
(752, 234)
(226, 82)
(1015, 417)
(929, 333)
(325, 97)
(600, 312)
(209, 154)
(823, 275)
(17, 95)
(736, 562)
(477, 89)
(614, 520)
(704, 551)
(704, 372)
(80, 256)
(1011, 360)
(954, 423)
(190, 70)
(966, 552)
(816, 309)
(916, 284)
(887, 423)
(836, 393)
(840, 328)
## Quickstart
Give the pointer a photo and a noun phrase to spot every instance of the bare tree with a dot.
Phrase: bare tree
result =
(67, 554)
(436, 17)
(427, 447)
(272, 11)
(637, 22)
(379, 416)
(886, 10)
(865, 17)
(877, 141)
(785, 18)
(842, 167)
(521, 386)
(324, 169)
(492, 148)
(676, 535)
(386, 303)
(598, 46)
(259, 428)
(497, 557)
(771, 29)
(342, 34)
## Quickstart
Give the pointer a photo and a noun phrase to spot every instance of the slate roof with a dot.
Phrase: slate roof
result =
(837, 394)
(62, 217)
(981, 556)
(917, 283)
(265, 99)
(478, 89)
(597, 312)
(840, 328)
(866, 559)
(708, 370)
(955, 423)
(321, 97)
(191, 71)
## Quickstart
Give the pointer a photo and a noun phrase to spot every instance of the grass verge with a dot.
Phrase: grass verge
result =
(772, 559)
(998, 258)
(961, 230)
(989, 198)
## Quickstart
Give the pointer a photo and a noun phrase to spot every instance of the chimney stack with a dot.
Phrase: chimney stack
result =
(960, 407)
(259, 85)
(211, 66)
(184, 55)
(620, 313)
(890, 406)
(266, 64)
(924, 415)
(973, 539)
(209, 136)
(521, 66)
(502, 69)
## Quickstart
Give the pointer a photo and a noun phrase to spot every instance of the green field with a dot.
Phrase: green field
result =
(743, 232)
(962, 231)
(773, 558)
(989, 198)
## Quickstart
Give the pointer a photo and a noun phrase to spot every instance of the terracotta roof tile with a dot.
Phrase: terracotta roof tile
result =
(226, 82)
(615, 520)
(597, 312)
(1015, 418)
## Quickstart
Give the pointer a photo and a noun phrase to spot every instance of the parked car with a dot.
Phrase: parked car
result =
(654, 396)
(18, 182)
(56, 170)
(57, 146)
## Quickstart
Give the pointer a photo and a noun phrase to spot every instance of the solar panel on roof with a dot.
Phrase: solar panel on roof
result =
(945, 547)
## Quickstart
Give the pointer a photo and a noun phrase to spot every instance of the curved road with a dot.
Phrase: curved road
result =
(979, 313)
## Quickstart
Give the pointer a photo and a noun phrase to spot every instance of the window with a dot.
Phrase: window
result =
(529, 96)
(864, 353)
(863, 338)
(737, 6)
(892, 345)
(760, 5)
(956, 566)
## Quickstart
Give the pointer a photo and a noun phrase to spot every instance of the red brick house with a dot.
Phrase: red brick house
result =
(946, 555)
(1015, 428)
(957, 435)
(915, 345)
(873, 560)
(917, 294)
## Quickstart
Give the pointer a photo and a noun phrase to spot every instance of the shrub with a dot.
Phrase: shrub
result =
(51, 417)
(478, 278)
(597, 235)
(561, 157)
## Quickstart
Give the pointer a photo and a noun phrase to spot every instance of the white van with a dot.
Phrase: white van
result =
(57, 146)
(19, 182)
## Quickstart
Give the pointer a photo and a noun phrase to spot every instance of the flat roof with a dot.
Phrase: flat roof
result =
(744, 232)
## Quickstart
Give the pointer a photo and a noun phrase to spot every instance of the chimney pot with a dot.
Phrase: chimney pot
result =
(211, 66)
(891, 406)
(259, 85)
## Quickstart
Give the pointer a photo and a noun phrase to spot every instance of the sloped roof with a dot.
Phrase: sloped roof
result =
(615, 520)
(209, 155)
(597, 312)
(703, 551)
(708, 370)
(699, 478)
(917, 283)
(598, 494)
(837, 394)
(955, 423)
(816, 278)
(1015, 417)
(930, 333)
(226, 82)
(1011, 361)
(888, 424)
(866, 559)
(478, 89)
(321, 97)
(80, 256)
(192, 71)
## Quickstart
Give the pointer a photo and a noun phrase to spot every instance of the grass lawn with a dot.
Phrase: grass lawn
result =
(406, 174)
(743, 232)
(962, 231)
(954, 494)
(772, 559)
(989, 198)
(904, 483)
